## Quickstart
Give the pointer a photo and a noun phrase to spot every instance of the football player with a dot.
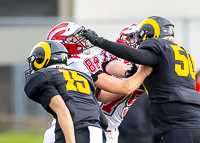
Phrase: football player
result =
(115, 110)
(62, 92)
(128, 130)
(174, 103)
(68, 33)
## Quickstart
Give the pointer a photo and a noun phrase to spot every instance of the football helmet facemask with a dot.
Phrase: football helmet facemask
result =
(154, 27)
(44, 54)
(127, 33)
(68, 33)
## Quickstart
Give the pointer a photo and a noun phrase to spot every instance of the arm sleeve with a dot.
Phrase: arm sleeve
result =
(46, 96)
(38, 89)
(104, 64)
(35, 84)
(139, 56)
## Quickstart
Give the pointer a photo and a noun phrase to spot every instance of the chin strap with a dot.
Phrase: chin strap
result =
(169, 39)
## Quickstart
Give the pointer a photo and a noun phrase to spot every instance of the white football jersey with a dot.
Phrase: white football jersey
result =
(104, 56)
(117, 109)
(84, 63)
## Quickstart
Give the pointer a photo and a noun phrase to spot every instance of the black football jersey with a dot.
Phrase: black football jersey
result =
(170, 85)
(173, 78)
(76, 89)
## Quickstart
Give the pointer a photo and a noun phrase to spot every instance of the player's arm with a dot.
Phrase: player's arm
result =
(106, 97)
(38, 90)
(115, 85)
(139, 56)
(64, 118)
(116, 68)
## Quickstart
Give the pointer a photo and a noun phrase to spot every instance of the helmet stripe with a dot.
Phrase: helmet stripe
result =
(155, 25)
(47, 56)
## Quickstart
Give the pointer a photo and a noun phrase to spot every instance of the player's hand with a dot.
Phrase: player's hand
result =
(131, 71)
(92, 37)
(147, 70)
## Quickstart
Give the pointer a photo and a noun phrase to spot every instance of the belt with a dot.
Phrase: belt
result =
(111, 130)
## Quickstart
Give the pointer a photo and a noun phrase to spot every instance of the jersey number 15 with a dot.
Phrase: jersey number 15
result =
(75, 82)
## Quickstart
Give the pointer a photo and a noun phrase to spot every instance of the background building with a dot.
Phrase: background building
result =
(23, 23)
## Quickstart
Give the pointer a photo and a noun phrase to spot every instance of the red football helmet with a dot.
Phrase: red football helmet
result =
(127, 33)
(68, 33)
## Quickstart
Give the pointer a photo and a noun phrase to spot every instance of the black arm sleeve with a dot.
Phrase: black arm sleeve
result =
(104, 64)
(95, 76)
(38, 89)
(139, 56)
(35, 84)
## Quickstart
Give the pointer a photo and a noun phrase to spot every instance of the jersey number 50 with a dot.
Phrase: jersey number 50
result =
(188, 62)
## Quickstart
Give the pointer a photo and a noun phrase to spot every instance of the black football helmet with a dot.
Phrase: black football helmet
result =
(155, 27)
(44, 54)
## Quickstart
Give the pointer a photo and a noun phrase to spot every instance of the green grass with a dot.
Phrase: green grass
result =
(12, 137)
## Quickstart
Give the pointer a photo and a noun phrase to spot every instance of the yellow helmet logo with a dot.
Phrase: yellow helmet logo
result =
(47, 56)
(154, 24)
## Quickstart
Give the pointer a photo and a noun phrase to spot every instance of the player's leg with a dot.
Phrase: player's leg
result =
(49, 135)
(59, 136)
(182, 136)
(112, 136)
(91, 134)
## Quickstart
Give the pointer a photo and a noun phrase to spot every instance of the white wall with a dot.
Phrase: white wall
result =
(17, 41)
(107, 17)
(135, 8)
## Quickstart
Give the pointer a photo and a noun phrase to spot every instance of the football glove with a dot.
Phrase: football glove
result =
(92, 37)
(95, 75)
(131, 71)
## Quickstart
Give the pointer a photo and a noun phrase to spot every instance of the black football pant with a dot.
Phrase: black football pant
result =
(180, 136)
(81, 136)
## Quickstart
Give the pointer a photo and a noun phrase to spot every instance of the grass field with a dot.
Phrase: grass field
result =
(12, 137)
(26, 129)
